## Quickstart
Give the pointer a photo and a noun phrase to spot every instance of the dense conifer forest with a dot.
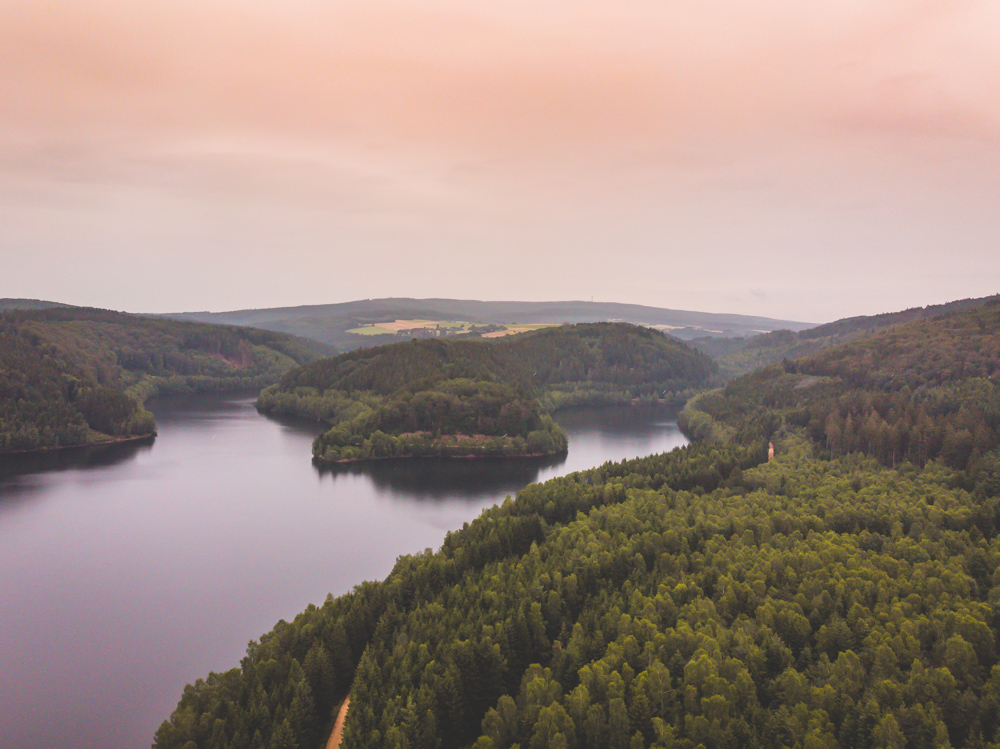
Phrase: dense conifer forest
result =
(73, 376)
(845, 593)
(913, 392)
(453, 397)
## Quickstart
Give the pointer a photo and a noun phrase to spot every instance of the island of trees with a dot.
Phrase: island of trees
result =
(75, 376)
(462, 398)
(845, 593)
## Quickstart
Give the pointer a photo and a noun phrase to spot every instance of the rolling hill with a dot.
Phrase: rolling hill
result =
(28, 304)
(73, 375)
(330, 323)
(740, 355)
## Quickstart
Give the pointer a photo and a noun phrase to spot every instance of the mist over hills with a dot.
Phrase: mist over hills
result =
(330, 323)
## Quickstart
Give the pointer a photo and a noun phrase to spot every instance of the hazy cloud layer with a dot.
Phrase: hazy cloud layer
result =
(771, 158)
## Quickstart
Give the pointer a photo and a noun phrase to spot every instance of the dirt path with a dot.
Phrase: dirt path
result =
(338, 726)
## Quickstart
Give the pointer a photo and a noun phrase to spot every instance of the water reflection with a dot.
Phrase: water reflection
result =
(443, 479)
(95, 456)
(596, 435)
(192, 408)
(637, 423)
(296, 423)
(23, 477)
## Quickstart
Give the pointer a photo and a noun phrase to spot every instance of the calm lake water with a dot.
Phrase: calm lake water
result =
(127, 573)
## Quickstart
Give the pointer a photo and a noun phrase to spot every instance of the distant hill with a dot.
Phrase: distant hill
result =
(741, 355)
(73, 375)
(331, 323)
(29, 304)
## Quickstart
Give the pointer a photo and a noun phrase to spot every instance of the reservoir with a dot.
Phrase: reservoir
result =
(129, 572)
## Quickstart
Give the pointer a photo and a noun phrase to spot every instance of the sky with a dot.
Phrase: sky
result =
(806, 161)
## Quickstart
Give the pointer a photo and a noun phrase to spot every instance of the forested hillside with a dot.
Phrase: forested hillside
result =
(843, 594)
(740, 355)
(29, 304)
(448, 397)
(913, 392)
(71, 376)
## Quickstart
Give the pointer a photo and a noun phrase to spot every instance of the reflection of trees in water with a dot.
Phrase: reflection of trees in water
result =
(94, 456)
(640, 421)
(444, 478)
(441, 479)
(310, 427)
(187, 407)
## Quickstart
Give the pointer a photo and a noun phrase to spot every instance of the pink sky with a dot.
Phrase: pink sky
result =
(799, 160)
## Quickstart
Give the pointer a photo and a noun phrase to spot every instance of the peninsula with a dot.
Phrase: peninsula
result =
(481, 398)
(73, 376)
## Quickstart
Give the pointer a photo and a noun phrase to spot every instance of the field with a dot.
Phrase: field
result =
(370, 330)
(443, 328)
(515, 329)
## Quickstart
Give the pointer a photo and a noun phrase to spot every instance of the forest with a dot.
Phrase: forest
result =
(914, 392)
(741, 355)
(489, 398)
(844, 593)
(74, 376)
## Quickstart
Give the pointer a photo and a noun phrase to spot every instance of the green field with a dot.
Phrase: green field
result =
(370, 330)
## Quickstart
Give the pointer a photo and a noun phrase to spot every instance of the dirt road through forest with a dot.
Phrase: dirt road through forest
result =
(338, 726)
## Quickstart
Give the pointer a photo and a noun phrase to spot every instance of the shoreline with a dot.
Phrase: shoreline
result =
(463, 456)
(81, 446)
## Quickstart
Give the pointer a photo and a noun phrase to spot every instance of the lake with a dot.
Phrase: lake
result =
(126, 573)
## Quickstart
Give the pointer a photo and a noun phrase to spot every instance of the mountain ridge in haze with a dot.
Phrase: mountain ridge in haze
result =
(29, 304)
(739, 356)
(330, 323)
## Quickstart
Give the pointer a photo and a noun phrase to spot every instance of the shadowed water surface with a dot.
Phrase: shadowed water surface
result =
(128, 572)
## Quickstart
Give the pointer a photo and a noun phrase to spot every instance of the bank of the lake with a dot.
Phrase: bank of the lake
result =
(132, 570)
(11, 456)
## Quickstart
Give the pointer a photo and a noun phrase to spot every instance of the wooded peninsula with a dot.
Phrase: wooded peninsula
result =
(72, 376)
(481, 398)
